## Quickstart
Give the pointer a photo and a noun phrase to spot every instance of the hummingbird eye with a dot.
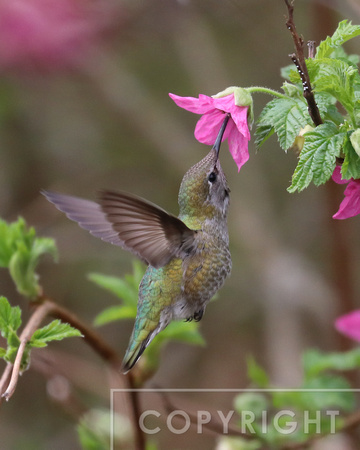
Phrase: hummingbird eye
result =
(212, 177)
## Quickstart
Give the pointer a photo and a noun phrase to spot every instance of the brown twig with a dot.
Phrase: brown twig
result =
(33, 324)
(5, 379)
(298, 59)
(47, 307)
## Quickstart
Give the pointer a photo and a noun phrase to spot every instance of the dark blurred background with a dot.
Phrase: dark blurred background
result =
(105, 121)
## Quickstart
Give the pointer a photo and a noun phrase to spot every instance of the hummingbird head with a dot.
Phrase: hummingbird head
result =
(204, 191)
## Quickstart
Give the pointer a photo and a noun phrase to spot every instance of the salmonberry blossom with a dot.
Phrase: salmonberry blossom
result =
(349, 325)
(213, 110)
(49, 34)
(350, 206)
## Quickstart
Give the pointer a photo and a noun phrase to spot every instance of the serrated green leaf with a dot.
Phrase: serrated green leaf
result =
(335, 77)
(2, 352)
(315, 362)
(10, 318)
(262, 134)
(287, 71)
(287, 116)
(291, 90)
(350, 168)
(344, 32)
(355, 141)
(55, 330)
(318, 156)
(256, 373)
(115, 313)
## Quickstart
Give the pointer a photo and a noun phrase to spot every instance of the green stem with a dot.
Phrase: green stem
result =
(263, 90)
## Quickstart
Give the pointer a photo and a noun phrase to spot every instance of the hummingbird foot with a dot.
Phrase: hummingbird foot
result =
(197, 316)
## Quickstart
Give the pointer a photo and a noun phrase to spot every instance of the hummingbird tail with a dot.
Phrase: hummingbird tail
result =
(131, 357)
(135, 350)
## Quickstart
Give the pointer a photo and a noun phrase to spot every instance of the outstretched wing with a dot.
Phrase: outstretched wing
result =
(130, 222)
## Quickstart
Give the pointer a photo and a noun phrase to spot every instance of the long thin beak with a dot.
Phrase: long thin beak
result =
(217, 144)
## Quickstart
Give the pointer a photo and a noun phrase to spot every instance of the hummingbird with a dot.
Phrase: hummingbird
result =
(188, 256)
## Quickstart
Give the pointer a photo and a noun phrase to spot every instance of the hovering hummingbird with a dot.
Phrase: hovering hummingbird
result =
(188, 256)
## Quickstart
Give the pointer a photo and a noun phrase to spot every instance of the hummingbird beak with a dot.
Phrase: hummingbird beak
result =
(217, 144)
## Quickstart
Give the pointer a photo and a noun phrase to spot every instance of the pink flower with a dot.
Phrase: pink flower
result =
(213, 110)
(350, 206)
(48, 33)
(349, 325)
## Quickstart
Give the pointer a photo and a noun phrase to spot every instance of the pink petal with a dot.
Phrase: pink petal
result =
(238, 146)
(349, 325)
(48, 33)
(239, 116)
(208, 127)
(200, 105)
(336, 176)
(238, 113)
(350, 206)
(225, 104)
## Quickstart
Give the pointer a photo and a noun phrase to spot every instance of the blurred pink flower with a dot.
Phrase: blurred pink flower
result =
(48, 33)
(349, 325)
(207, 128)
(350, 206)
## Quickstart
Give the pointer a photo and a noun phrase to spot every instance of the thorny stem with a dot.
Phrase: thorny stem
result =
(298, 59)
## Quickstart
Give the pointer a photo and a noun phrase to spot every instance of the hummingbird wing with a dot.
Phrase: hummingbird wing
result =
(132, 223)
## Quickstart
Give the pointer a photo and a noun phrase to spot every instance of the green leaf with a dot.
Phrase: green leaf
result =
(10, 235)
(287, 71)
(251, 401)
(350, 168)
(256, 373)
(20, 251)
(55, 330)
(329, 399)
(94, 430)
(344, 32)
(355, 141)
(318, 156)
(287, 116)
(10, 318)
(291, 90)
(2, 352)
(182, 331)
(315, 362)
(126, 290)
(262, 134)
(115, 313)
(335, 77)
(187, 332)
(42, 246)
(237, 443)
